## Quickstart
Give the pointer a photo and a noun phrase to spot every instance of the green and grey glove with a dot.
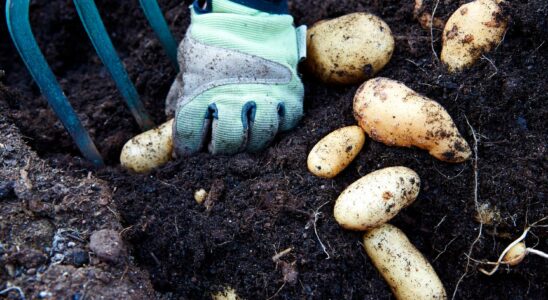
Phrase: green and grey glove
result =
(238, 84)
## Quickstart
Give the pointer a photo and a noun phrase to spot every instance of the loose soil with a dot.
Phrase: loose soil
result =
(268, 202)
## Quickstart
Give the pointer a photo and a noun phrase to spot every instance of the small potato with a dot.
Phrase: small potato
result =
(516, 254)
(475, 28)
(227, 294)
(148, 150)
(394, 114)
(409, 275)
(335, 151)
(376, 198)
(348, 49)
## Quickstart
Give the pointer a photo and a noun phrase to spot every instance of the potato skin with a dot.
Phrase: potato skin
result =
(348, 49)
(391, 113)
(473, 29)
(376, 198)
(516, 254)
(405, 269)
(333, 153)
(148, 150)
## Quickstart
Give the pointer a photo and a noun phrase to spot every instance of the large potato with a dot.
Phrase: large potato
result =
(335, 151)
(409, 275)
(348, 49)
(148, 150)
(475, 28)
(394, 114)
(376, 198)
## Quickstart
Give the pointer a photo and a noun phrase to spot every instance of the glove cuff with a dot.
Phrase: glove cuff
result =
(241, 6)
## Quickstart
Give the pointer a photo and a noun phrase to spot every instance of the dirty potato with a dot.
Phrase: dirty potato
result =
(475, 28)
(391, 113)
(516, 254)
(148, 150)
(376, 198)
(348, 49)
(405, 269)
(335, 151)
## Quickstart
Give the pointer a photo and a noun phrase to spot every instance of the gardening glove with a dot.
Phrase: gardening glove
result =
(238, 84)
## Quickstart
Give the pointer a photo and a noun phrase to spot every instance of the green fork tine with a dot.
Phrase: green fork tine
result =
(17, 17)
(89, 15)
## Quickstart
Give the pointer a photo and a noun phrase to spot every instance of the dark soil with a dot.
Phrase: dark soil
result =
(265, 203)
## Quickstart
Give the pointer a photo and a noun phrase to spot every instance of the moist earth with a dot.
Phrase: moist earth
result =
(262, 204)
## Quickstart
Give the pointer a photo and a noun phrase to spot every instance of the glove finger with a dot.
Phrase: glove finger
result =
(263, 125)
(290, 113)
(230, 126)
(190, 128)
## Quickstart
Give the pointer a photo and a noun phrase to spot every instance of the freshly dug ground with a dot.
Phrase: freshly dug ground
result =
(267, 202)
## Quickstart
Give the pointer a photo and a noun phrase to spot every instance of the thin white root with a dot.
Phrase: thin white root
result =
(277, 257)
(13, 288)
(476, 203)
(432, 31)
(537, 252)
(317, 214)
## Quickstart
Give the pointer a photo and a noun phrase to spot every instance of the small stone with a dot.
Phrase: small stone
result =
(77, 257)
(107, 245)
(31, 271)
(6, 190)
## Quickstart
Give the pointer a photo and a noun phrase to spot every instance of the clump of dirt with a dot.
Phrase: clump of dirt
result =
(269, 202)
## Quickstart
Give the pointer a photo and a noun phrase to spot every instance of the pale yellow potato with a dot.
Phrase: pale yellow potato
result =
(200, 196)
(335, 151)
(148, 150)
(474, 29)
(376, 198)
(407, 272)
(391, 113)
(227, 294)
(516, 254)
(348, 49)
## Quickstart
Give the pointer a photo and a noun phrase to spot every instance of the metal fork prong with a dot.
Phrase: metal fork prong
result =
(158, 23)
(89, 15)
(17, 18)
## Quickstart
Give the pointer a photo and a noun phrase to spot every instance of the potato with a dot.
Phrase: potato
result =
(516, 254)
(391, 113)
(376, 198)
(348, 49)
(335, 151)
(148, 150)
(404, 268)
(475, 28)
(227, 294)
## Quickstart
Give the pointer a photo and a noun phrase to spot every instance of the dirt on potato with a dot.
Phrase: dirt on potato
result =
(263, 204)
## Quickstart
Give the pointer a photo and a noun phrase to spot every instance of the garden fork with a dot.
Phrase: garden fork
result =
(17, 17)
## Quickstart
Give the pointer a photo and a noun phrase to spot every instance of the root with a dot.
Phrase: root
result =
(432, 31)
(477, 205)
(317, 214)
(492, 64)
(13, 288)
(512, 244)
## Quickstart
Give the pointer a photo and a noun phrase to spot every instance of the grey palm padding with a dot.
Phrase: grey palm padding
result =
(204, 67)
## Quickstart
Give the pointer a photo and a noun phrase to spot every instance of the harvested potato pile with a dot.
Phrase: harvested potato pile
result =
(349, 49)
(394, 114)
